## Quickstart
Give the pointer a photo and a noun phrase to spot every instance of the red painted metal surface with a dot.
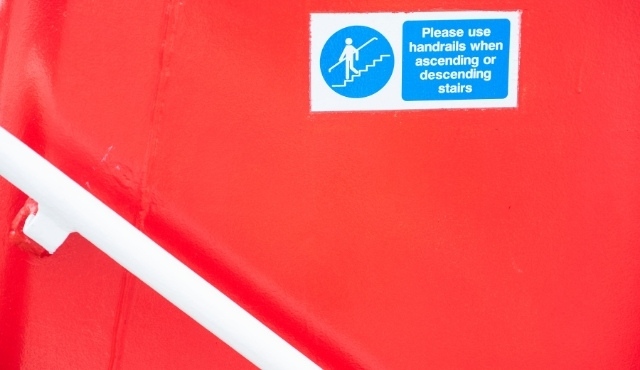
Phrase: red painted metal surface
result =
(469, 239)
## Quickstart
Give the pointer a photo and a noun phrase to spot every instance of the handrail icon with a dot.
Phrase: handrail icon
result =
(358, 49)
(349, 70)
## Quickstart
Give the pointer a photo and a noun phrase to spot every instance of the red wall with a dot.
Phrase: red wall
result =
(443, 239)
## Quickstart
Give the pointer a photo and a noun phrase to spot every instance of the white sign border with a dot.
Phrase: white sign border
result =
(389, 98)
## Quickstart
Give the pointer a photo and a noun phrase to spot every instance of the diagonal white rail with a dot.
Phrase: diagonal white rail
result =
(65, 207)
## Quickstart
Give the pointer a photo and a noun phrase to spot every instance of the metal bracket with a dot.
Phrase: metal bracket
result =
(45, 229)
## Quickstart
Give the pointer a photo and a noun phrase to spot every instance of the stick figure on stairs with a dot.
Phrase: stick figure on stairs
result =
(365, 71)
(347, 56)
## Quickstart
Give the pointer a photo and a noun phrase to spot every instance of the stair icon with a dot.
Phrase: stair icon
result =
(360, 72)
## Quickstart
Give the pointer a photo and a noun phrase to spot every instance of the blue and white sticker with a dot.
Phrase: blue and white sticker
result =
(412, 61)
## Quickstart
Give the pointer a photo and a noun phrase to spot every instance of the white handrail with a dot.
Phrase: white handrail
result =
(65, 207)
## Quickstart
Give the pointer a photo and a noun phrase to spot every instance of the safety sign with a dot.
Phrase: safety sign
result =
(361, 46)
(405, 61)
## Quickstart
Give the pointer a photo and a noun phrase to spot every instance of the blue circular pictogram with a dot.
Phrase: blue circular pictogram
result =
(356, 61)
